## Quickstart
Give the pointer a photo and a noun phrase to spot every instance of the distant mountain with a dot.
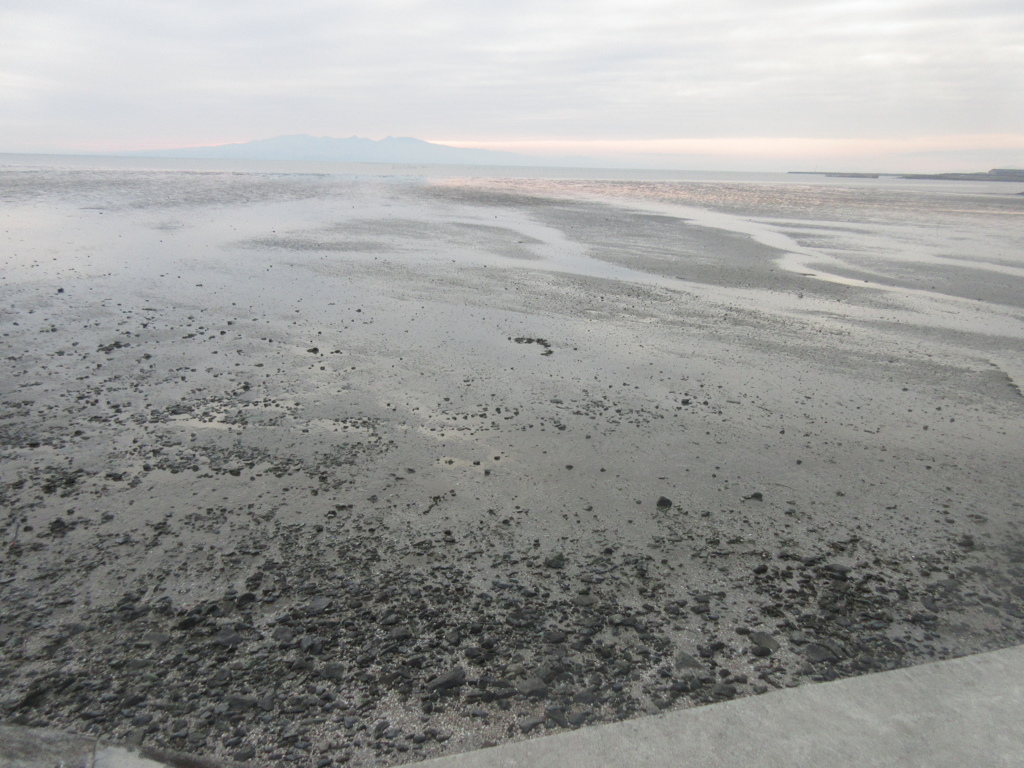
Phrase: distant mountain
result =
(301, 147)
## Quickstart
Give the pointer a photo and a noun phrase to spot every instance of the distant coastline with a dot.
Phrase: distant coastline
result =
(996, 174)
(356, 149)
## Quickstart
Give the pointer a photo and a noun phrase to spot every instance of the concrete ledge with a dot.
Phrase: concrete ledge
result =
(22, 747)
(34, 747)
(951, 714)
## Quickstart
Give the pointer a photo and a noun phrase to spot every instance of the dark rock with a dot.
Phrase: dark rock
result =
(453, 637)
(227, 638)
(189, 622)
(681, 686)
(283, 635)
(577, 719)
(534, 687)
(398, 634)
(764, 640)
(238, 702)
(452, 679)
(554, 636)
(527, 724)
(556, 560)
(686, 661)
(817, 653)
(154, 640)
(333, 671)
(318, 606)
(709, 650)
(664, 502)
(557, 715)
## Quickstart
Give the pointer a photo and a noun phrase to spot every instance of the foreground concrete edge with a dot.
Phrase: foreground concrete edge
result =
(965, 712)
(22, 747)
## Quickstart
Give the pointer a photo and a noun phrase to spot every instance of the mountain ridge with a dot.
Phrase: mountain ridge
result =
(354, 149)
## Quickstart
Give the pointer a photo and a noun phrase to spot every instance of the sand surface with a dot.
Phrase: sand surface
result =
(316, 469)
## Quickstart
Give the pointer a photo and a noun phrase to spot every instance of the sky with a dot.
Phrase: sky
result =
(853, 85)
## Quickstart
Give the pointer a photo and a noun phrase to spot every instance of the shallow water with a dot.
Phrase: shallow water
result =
(939, 255)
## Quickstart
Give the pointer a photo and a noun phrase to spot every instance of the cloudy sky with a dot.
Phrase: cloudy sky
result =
(704, 84)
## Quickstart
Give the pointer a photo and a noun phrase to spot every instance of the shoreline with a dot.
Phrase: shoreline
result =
(294, 452)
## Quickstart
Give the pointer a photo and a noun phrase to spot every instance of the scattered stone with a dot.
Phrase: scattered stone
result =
(227, 638)
(318, 606)
(527, 724)
(686, 661)
(557, 716)
(533, 687)
(154, 640)
(283, 635)
(452, 679)
(817, 653)
(765, 641)
(334, 671)
(556, 561)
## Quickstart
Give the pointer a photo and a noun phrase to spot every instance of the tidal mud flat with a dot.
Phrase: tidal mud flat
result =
(324, 470)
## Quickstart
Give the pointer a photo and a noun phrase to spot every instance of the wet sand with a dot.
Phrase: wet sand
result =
(318, 470)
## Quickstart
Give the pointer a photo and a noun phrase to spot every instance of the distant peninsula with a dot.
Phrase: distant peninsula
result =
(355, 149)
(996, 174)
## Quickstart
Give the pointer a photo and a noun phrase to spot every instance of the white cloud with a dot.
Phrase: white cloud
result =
(118, 73)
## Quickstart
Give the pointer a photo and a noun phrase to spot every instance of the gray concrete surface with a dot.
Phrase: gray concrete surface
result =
(41, 747)
(955, 714)
(968, 712)
(22, 747)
